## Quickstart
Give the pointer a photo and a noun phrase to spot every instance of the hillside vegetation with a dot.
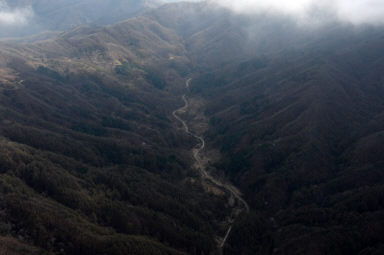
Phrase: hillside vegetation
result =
(92, 161)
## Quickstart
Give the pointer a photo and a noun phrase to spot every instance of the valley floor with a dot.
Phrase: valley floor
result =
(211, 182)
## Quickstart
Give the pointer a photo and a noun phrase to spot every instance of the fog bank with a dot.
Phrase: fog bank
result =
(309, 11)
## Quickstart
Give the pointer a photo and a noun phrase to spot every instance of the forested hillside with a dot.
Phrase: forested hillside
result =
(92, 161)
(301, 135)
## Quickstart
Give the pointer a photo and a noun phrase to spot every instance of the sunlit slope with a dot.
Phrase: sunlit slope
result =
(90, 160)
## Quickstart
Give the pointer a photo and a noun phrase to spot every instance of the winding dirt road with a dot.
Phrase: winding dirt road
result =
(233, 191)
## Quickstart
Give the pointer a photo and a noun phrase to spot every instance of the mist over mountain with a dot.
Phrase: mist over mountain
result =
(309, 12)
(20, 18)
(204, 127)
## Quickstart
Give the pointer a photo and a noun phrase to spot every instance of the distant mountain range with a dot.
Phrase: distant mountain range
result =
(67, 14)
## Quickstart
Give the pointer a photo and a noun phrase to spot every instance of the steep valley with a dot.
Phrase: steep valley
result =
(211, 183)
(190, 129)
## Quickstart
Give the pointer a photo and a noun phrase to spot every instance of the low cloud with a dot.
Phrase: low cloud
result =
(361, 11)
(312, 11)
(19, 16)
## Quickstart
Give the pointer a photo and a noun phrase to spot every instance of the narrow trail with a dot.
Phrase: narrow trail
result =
(202, 169)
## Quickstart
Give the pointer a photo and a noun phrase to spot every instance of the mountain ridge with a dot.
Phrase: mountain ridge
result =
(87, 132)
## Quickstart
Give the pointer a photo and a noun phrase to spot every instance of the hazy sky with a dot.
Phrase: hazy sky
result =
(14, 17)
(353, 11)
